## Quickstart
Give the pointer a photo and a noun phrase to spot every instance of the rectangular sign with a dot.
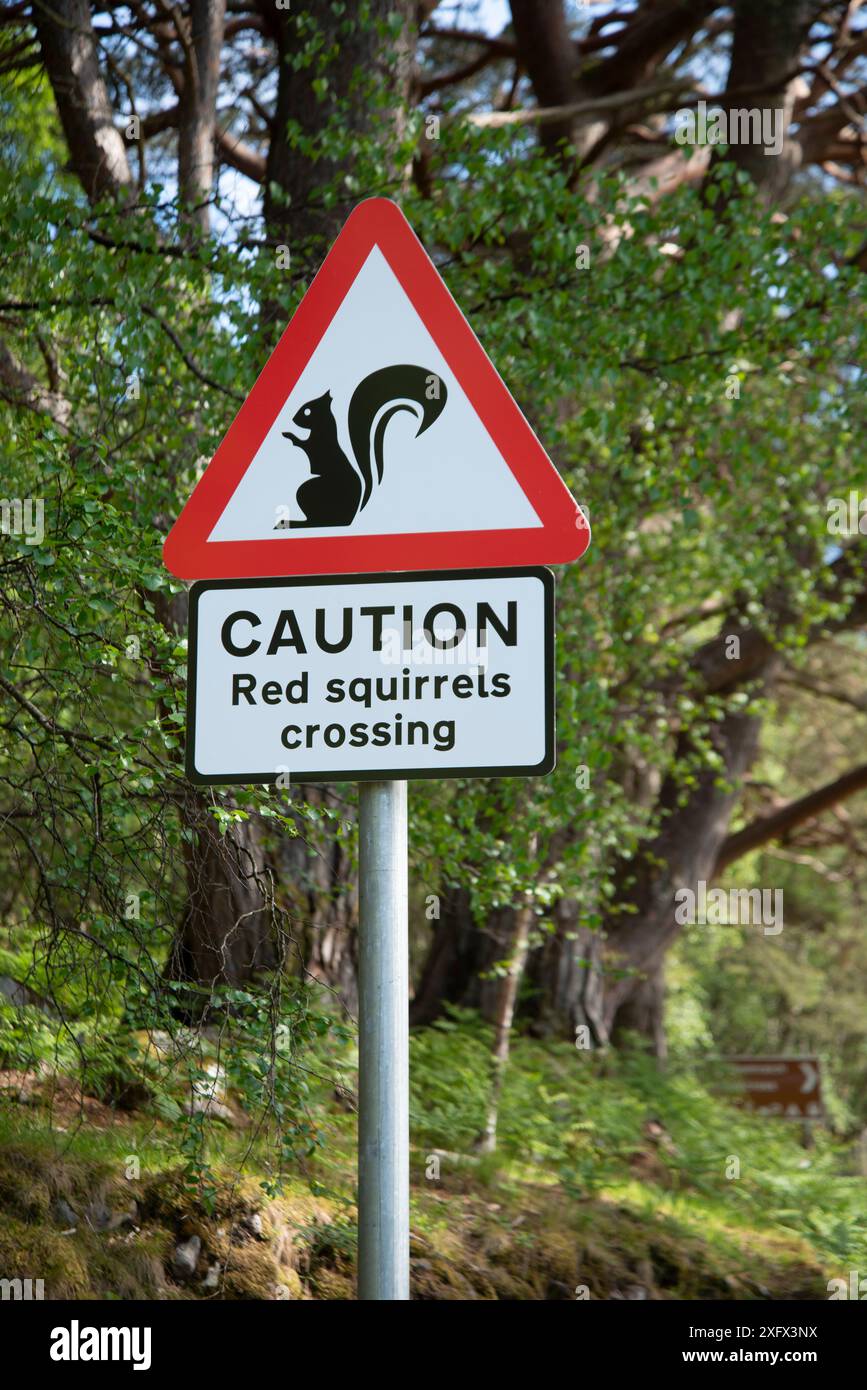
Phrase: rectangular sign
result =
(381, 676)
(786, 1086)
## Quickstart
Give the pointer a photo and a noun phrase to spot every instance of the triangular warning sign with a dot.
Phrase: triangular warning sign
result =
(378, 437)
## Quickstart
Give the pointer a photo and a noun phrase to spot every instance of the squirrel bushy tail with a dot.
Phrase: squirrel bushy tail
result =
(395, 387)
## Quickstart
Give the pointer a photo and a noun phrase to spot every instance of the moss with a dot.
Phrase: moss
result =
(250, 1273)
(28, 1251)
(479, 1237)
(24, 1190)
(74, 1263)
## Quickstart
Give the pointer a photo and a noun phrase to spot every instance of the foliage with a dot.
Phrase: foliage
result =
(699, 387)
(605, 1124)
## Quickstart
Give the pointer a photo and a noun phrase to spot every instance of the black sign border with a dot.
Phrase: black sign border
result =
(243, 779)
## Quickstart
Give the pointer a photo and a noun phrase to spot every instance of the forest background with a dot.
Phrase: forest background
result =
(682, 321)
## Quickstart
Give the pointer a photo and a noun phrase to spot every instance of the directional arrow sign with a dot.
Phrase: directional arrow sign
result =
(787, 1086)
(379, 436)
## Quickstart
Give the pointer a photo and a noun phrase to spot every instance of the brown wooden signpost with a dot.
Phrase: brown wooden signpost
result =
(790, 1087)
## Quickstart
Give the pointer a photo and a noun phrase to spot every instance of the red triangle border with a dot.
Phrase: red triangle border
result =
(564, 534)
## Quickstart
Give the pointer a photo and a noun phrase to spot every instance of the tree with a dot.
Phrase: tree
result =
(228, 930)
(705, 331)
(768, 48)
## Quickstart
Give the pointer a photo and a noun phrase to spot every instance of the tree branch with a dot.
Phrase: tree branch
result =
(557, 115)
(802, 681)
(461, 74)
(499, 46)
(188, 361)
(20, 387)
(778, 823)
(240, 156)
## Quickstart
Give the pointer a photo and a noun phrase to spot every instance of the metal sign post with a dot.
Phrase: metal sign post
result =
(383, 1044)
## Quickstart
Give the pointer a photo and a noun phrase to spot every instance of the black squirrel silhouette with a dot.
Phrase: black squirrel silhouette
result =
(337, 492)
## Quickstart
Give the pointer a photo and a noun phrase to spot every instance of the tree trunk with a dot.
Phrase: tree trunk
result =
(460, 959)
(642, 1012)
(566, 979)
(318, 880)
(96, 149)
(506, 996)
(450, 971)
(296, 182)
(641, 928)
(198, 107)
(231, 929)
(766, 44)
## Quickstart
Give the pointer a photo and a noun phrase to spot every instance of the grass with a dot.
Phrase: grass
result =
(610, 1180)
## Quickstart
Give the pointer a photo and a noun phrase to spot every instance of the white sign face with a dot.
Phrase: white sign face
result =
(421, 474)
(384, 676)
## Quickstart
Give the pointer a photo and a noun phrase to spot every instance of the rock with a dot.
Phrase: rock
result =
(186, 1257)
(211, 1280)
(98, 1214)
(215, 1109)
(126, 1093)
(247, 1227)
(21, 995)
(253, 1223)
(123, 1218)
(209, 1094)
(64, 1214)
(14, 991)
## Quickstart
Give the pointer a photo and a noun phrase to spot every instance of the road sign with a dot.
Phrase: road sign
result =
(379, 677)
(378, 440)
(379, 436)
(786, 1086)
